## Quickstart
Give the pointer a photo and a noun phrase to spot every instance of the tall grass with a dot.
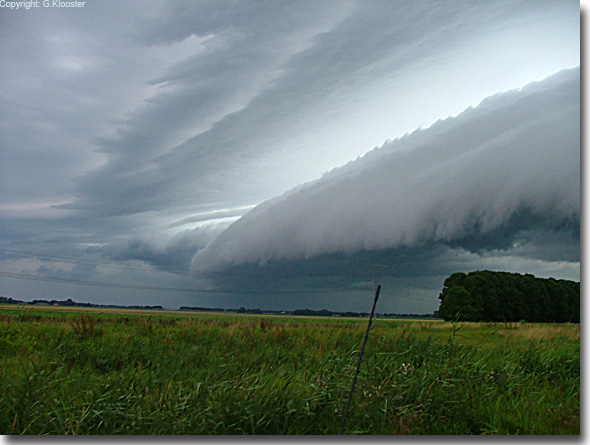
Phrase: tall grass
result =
(125, 374)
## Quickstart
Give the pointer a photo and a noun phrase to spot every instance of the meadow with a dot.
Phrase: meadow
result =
(86, 372)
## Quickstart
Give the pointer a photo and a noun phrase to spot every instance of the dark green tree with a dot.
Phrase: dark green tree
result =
(456, 304)
(503, 296)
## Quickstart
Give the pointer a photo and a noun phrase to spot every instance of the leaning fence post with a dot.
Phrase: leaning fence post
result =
(358, 366)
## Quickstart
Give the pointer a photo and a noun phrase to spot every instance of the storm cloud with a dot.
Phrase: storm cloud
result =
(136, 133)
(273, 95)
(507, 166)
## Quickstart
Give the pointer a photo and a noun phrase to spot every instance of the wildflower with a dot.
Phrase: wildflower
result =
(405, 368)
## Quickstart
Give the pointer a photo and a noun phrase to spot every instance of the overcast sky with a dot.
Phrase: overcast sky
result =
(134, 134)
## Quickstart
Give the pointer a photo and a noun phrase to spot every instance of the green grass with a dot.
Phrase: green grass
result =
(134, 373)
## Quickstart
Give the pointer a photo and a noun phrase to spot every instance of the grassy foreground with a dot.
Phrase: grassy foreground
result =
(103, 372)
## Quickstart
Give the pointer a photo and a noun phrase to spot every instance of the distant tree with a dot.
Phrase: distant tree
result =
(9, 300)
(457, 304)
(502, 296)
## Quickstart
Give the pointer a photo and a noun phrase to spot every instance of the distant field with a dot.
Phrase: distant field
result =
(96, 310)
(109, 371)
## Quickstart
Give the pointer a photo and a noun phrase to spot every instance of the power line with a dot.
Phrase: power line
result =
(86, 262)
(164, 289)
(91, 283)
(70, 260)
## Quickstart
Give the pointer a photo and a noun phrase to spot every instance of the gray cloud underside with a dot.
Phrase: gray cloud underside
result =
(262, 83)
(501, 170)
(139, 131)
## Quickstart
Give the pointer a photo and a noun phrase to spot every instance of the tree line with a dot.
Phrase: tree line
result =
(502, 296)
(70, 302)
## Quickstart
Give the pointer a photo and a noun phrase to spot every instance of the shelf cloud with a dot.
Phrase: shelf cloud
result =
(506, 168)
(175, 134)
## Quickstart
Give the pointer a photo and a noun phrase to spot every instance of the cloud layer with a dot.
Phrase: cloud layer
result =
(263, 96)
(134, 133)
(511, 163)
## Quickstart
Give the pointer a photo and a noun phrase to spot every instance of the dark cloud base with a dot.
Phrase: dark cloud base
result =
(133, 135)
(413, 273)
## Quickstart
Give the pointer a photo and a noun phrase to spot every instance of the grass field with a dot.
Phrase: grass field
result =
(97, 371)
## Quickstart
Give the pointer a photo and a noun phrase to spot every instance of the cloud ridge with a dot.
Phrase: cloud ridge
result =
(515, 153)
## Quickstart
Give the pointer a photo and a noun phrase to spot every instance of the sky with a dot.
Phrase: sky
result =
(289, 154)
